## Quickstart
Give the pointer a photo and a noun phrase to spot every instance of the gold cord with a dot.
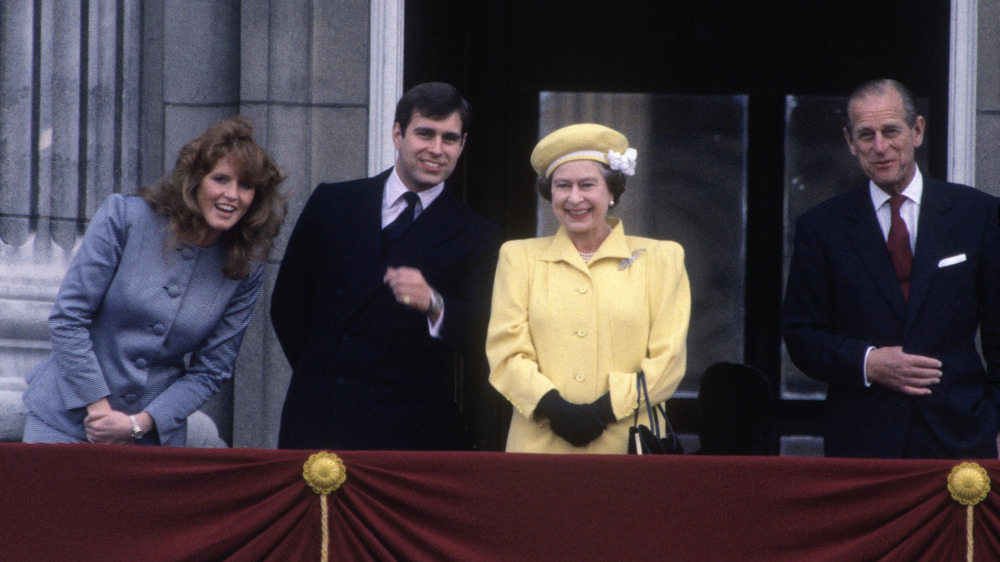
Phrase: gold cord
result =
(324, 472)
(324, 549)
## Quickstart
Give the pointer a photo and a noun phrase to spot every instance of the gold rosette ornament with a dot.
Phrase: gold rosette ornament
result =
(969, 484)
(324, 472)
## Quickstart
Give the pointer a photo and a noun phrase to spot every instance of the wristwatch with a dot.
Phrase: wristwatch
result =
(136, 430)
(437, 304)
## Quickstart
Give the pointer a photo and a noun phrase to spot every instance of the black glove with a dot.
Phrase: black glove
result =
(601, 408)
(577, 423)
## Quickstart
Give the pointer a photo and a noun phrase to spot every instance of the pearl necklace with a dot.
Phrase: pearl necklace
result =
(585, 256)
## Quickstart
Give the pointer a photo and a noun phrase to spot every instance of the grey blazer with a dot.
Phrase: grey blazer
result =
(128, 314)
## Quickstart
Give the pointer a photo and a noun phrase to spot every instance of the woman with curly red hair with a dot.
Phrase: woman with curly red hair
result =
(152, 310)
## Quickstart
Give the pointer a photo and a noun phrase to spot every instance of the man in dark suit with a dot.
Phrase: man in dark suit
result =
(888, 287)
(383, 279)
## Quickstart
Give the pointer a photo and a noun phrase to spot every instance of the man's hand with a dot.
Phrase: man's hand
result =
(409, 287)
(902, 372)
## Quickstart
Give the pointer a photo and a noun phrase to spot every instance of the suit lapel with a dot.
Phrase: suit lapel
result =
(363, 218)
(435, 224)
(934, 228)
(866, 235)
(362, 224)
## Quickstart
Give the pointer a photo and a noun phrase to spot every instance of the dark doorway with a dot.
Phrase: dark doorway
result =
(503, 54)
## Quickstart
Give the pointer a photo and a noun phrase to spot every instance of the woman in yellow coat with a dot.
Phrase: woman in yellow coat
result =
(577, 315)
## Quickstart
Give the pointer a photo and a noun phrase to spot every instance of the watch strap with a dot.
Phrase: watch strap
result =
(437, 304)
(136, 430)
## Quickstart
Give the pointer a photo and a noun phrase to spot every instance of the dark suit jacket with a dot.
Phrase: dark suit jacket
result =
(843, 297)
(366, 372)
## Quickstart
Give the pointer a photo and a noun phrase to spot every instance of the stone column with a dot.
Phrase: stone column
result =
(68, 122)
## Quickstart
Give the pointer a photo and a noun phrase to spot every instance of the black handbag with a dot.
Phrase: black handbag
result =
(645, 441)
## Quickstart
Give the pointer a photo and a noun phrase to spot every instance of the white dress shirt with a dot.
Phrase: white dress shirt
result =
(909, 211)
(393, 202)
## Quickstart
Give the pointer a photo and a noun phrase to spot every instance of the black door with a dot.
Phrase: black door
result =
(503, 54)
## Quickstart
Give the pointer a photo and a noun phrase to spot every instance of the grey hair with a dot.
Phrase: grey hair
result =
(881, 87)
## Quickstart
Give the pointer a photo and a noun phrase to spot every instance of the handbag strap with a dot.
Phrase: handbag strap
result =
(643, 393)
(638, 398)
(654, 421)
(666, 421)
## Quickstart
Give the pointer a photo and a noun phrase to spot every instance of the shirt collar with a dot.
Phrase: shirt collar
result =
(914, 192)
(615, 245)
(394, 190)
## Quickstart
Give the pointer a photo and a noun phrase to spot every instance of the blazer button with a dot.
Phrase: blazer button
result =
(172, 291)
(159, 329)
(580, 378)
(582, 290)
(131, 398)
(141, 363)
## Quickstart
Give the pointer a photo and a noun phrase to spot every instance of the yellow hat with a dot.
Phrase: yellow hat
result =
(584, 141)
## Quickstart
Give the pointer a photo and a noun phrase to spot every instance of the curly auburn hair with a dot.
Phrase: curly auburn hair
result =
(175, 195)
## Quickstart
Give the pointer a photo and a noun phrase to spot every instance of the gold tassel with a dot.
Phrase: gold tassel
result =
(969, 484)
(324, 472)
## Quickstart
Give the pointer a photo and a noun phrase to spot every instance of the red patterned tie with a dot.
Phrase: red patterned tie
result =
(898, 244)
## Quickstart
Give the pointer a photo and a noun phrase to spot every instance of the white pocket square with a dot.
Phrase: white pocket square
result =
(952, 260)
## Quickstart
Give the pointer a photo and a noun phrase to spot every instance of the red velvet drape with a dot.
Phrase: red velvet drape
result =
(87, 502)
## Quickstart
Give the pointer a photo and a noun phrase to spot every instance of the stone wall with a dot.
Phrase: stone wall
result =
(988, 98)
(304, 81)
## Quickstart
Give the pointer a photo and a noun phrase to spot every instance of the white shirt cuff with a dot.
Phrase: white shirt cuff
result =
(864, 366)
(435, 327)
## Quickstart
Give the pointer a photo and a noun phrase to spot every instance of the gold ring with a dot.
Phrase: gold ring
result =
(406, 300)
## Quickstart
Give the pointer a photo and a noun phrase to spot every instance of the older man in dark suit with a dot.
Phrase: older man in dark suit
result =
(382, 280)
(889, 285)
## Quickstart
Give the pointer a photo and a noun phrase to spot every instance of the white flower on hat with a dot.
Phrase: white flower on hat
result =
(624, 163)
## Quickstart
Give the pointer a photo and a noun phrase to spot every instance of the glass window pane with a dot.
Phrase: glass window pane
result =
(690, 187)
